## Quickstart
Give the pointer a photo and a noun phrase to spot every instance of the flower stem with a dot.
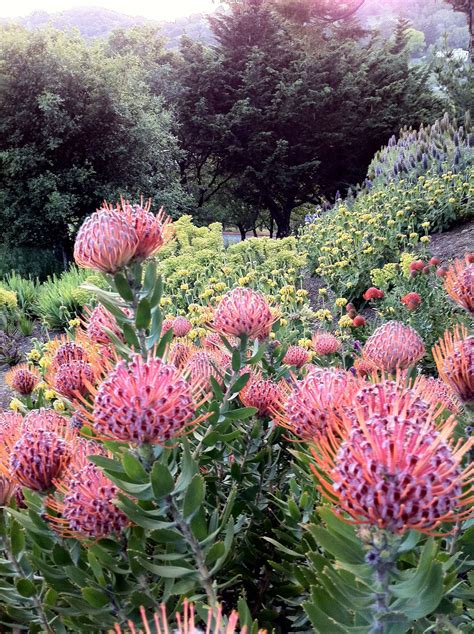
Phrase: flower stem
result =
(381, 557)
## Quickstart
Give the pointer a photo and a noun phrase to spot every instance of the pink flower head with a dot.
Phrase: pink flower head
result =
(149, 228)
(411, 300)
(454, 358)
(459, 283)
(143, 402)
(181, 326)
(180, 353)
(263, 394)
(100, 320)
(204, 364)
(67, 353)
(394, 346)
(436, 391)
(166, 325)
(243, 311)
(22, 379)
(296, 356)
(315, 400)
(74, 378)
(324, 343)
(43, 417)
(394, 470)
(106, 242)
(373, 293)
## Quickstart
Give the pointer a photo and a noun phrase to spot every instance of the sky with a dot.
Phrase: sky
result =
(156, 9)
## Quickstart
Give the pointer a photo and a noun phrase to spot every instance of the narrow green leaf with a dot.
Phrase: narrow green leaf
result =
(134, 468)
(130, 336)
(241, 414)
(26, 588)
(17, 539)
(143, 314)
(150, 277)
(123, 287)
(240, 383)
(168, 572)
(155, 297)
(95, 597)
(194, 496)
(162, 481)
(236, 360)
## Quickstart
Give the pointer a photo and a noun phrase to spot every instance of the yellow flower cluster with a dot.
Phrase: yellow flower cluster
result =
(8, 299)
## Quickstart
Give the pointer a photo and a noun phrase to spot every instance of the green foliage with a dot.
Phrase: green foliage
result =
(26, 290)
(28, 261)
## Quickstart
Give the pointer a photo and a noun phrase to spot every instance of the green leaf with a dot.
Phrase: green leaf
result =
(155, 328)
(17, 539)
(150, 277)
(134, 468)
(130, 336)
(194, 496)
(106, 463)
(157, 293)
(168, 572)
(123, 287)
(241, 414)
(143, 314)
(26, 588)
(240, 383)
(162, 481)
(95, 597)
(236, 360)
(164, 343)
(255, 358)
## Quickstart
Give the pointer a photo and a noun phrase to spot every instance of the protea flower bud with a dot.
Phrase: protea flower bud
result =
(149, 228)
(459, 284)
(181, 326)
(74, 378)
(324, 343)
(373, 293)
(359, 321)
(263, 394)
(143, 402)
(394, 346)
(411, 300)
(22, 379)
(243, 311)
(395, 471)
(315, 400)
(454, 358)
(296, 356)
(204, 364)
(106, 242)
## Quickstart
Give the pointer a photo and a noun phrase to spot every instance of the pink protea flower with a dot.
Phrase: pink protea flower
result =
(43, 417)
(213, 340)
(67, 353)
(86, 508)
(206, 363)
(391, 398)
(73, 379)
(454, 358)
(22, 379)
(181, 326)
(149, 228)
(393, 470)
(411, 300)
(263, 394)
(143, 402)
(296, 356)
(35, 456)
(105, 242)
(185, 622)
(437, 391)
(393, 346)
(100, 320)
(315, 400)
(166, 325)
(324, 343)
(459, 283)
(181, 350)
(364, 367)
(243, 311)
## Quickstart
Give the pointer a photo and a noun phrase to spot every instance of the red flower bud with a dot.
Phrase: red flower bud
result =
(441, 272)
(359, 321)
(435, 261)
(417, 265)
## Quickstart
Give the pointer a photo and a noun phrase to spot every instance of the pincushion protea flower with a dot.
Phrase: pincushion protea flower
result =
(364, 367)
(411, 300)
(296, 356)
(22, 379)
(454, 358)
(185, 623)
(213, 340)
(437, 391)
(181, 350)
(394, 470)
(264, 394)
(181, 326)
(105, 242)
(97, 322)
(315, 400)
(143, 401)
(243, 311)
(393, 346)
(67, 352)
(324, 343)
(459, 283)
(206, 363)
(72, 379)
(37, 452)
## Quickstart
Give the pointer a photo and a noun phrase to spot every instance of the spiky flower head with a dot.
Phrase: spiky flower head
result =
(43, 417)
(105, 242)
(67, 353)
(22, 379)
(143, 401)
(243, 311)
(181, 350)
(459, 283)
(394, 470)
(411, 300)
(206, 363)
(151, 229)
(73, 379)
(436, 391)
(296, 356)
(214, 340)
(454, 358)
(315, 400)
(181, 326)
(364, 367)
(264, 394)
(166, 325)
(100, 320)
(324, 343)
(393, 346)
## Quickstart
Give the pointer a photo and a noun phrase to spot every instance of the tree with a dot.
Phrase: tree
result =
(467, 7)
(76, 126)
(305, 11)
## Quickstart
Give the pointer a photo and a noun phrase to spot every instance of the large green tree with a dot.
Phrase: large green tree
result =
(467, 7)
(76, 125)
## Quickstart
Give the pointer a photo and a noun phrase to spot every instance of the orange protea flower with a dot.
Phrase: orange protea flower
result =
(296, 356)
(181, 350)
(143, 402)
(105, 242)
(243, 311)
(364, 367)
(437, 391)
(459, 283)
(151, 229)
(454, 358)
(315, 401)
(67, 352)
(394, 470)
(261, 393)
(213, 340)
(325, 343)
(74, 378)
(43, 417)
(37, 452)
(185, 623)
(393, 346)
(22, 379)
(205, 363)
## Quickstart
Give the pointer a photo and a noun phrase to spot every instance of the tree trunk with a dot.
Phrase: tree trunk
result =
(470, 19)
(243, 233)
(271, 226)
(254, 231)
